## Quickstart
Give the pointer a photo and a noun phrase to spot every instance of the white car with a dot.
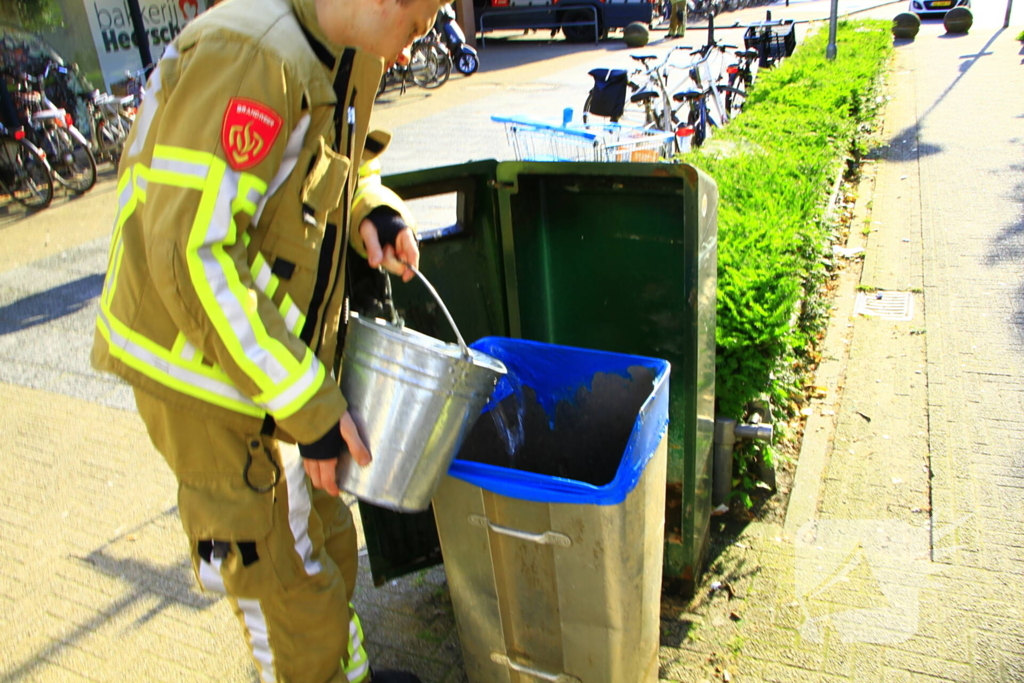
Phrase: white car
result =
(936, 7)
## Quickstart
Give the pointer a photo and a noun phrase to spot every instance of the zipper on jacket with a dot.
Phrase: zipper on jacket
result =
(325, 264)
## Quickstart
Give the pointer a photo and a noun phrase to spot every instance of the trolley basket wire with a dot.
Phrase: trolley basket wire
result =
(533, 140)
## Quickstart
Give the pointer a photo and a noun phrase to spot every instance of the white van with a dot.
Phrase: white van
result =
(575, 18)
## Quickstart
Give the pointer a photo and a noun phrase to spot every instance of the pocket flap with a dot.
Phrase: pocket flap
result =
(223, 509)
(326, 180)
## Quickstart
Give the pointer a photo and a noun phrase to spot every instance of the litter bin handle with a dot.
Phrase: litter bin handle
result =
(499, 658)
(544, 538)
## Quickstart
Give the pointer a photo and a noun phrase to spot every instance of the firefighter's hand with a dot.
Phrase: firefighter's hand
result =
(393, 258)
(360, 453)
(323, 473)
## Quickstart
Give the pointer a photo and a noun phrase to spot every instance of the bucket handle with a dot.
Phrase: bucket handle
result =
(451, 321)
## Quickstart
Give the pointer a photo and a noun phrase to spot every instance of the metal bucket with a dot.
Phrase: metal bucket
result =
(414, 399)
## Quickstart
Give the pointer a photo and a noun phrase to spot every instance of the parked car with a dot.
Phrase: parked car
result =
(936, 7)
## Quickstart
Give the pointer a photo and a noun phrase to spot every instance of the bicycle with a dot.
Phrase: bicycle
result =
(706, 94)
(430, 66)
(71, 160)
(651, 89)
(24, 173)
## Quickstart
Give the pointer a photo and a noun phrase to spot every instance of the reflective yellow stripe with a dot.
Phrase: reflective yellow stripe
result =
(180, 167)
(127, 202)
(264, 278)
(147, 357)
(179, 345)
(188, 353)
(230, 304)
(141, 181)
(292, 315)
(286, 400)
(358, 667)
(251, 189)
(371, 167)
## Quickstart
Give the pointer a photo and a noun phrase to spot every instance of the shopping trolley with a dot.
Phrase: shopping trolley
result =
(533, 140)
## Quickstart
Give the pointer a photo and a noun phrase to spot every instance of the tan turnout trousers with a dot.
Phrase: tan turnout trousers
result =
(677, 19)
(284, 553)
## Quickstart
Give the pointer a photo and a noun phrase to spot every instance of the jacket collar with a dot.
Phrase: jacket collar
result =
(305, 10)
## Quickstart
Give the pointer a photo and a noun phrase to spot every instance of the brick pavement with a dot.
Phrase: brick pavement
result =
(908, 563)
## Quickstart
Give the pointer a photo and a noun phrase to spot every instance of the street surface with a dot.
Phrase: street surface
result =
(94, 580)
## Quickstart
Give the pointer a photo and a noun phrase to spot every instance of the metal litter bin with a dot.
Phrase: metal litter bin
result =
(554, 553)
(617, 257)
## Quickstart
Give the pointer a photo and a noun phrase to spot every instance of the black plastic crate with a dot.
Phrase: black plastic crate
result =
(772, 40)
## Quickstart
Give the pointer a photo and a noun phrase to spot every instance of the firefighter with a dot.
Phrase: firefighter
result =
(249, 176)
(677, 19)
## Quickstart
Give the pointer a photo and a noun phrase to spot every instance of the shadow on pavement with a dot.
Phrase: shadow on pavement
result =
(1008, 245)
(169, 585)
(910, 134)
(47, 306)
(509, 52)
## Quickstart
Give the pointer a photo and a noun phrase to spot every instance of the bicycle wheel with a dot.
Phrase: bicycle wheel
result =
(733, 97)
(75, 165)
(698, 120)
(431, 65)
(31, 183)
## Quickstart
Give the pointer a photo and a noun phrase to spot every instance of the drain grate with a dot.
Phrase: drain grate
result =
(885, 305)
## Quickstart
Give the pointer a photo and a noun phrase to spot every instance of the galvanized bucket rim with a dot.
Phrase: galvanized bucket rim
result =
(426, 343)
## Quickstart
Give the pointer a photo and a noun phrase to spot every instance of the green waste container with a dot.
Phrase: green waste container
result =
(616, 257)
(552, 518)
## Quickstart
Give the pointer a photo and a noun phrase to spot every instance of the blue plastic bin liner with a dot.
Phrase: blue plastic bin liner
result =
(556, 374)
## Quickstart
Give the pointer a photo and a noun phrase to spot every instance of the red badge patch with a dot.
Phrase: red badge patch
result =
(249, 131)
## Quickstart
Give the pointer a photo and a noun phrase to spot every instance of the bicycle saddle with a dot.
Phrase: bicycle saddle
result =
(643, 95)
(643, 59)
(747, 54)
(685, 95)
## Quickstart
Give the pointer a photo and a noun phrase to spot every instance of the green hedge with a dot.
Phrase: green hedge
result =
(775, 165)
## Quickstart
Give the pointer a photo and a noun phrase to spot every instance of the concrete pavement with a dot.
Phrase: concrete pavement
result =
(900, 558)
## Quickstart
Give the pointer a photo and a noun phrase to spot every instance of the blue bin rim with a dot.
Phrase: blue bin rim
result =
(549, 489)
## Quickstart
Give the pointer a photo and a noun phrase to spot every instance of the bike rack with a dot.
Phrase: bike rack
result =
(546, 9)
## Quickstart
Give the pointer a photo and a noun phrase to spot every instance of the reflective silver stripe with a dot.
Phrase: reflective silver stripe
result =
(356, 675)
(288, 161)
(177, 166)
(358, 661)
(292, 317)
(126, 194)
(147, 112)
(188, 351)
(259, 638)
(209, 575)
(262, 277)
(217, 232)
(253, 196)
(142, 182)
(282, 400)
(175, 372)
(299, 506)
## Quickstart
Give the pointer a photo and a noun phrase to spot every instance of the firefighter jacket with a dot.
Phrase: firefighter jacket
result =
(238, 191)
